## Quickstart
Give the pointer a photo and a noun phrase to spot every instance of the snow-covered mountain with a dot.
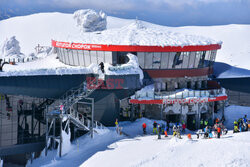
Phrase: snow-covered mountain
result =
(40, 28)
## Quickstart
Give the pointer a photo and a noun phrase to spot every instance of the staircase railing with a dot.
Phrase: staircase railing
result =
(73, 96)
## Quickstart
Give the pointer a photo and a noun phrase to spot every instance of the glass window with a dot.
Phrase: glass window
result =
(108, 57)
(202, 59)
(171, 60)
(197, 59)
(191, 60)
(81, 58)
(59, 55)
(70, 55)
(100, 56)
(62, 55)
(87, 57)
(163, 86)
(213, 56)
(148, 60)
(178, 59)
(207, 58)
(185, 59)
(66, 57)
(156, 60)
(164, 60)
(140, 56)
(93, 57)
(75, 57)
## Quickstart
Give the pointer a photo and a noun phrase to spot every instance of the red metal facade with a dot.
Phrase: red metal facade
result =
(159, 73)
(134, 48)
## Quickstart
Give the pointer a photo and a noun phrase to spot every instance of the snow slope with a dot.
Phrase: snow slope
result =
(41, 28)
(134, 150)
(222, 70)
(236, 42)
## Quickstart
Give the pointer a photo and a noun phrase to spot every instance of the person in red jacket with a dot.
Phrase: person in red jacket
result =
(183, 127)
(144, 126)
(218, 131)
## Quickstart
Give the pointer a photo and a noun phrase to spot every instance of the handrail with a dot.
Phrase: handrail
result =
(71, 97)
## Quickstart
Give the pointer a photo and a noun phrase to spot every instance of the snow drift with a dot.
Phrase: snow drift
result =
(131, 67)
(11, 49)
(89, 20)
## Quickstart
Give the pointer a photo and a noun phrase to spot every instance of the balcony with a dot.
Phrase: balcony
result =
(147, 95)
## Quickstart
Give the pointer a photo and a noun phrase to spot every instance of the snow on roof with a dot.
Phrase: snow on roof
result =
(135, 33)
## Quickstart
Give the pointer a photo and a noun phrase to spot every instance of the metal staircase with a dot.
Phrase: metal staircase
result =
(72, 97)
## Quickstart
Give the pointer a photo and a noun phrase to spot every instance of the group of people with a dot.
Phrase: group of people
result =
(241, 125)
(207, 130)
(162, 128)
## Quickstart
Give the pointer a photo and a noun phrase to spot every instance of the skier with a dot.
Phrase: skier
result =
(245, 122)
(245, 119)
(174, 130)
(166, 131)
(101, 65)
(219, 131)
(144, 128)
(215, 130)
(159, 131)
(178, 131)
(236, 130)
(183, 127)
(210, 132)
(117, 126)
(205, 123)
(154, 127)
(206, 134)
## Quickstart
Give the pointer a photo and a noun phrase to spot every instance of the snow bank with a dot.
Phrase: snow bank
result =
(89, 20)
(81, 150)
(233, 113)
(148, 92)
(66, 144)
(131, 67)
(222, 70)
(11, 49)
(49, 65)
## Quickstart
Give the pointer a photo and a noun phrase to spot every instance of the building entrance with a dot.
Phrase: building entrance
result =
(174, 118)
(191, 122)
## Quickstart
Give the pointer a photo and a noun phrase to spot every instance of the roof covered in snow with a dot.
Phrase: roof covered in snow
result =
(135, 32)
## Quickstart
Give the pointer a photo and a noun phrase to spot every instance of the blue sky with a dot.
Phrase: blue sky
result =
(165, 12)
